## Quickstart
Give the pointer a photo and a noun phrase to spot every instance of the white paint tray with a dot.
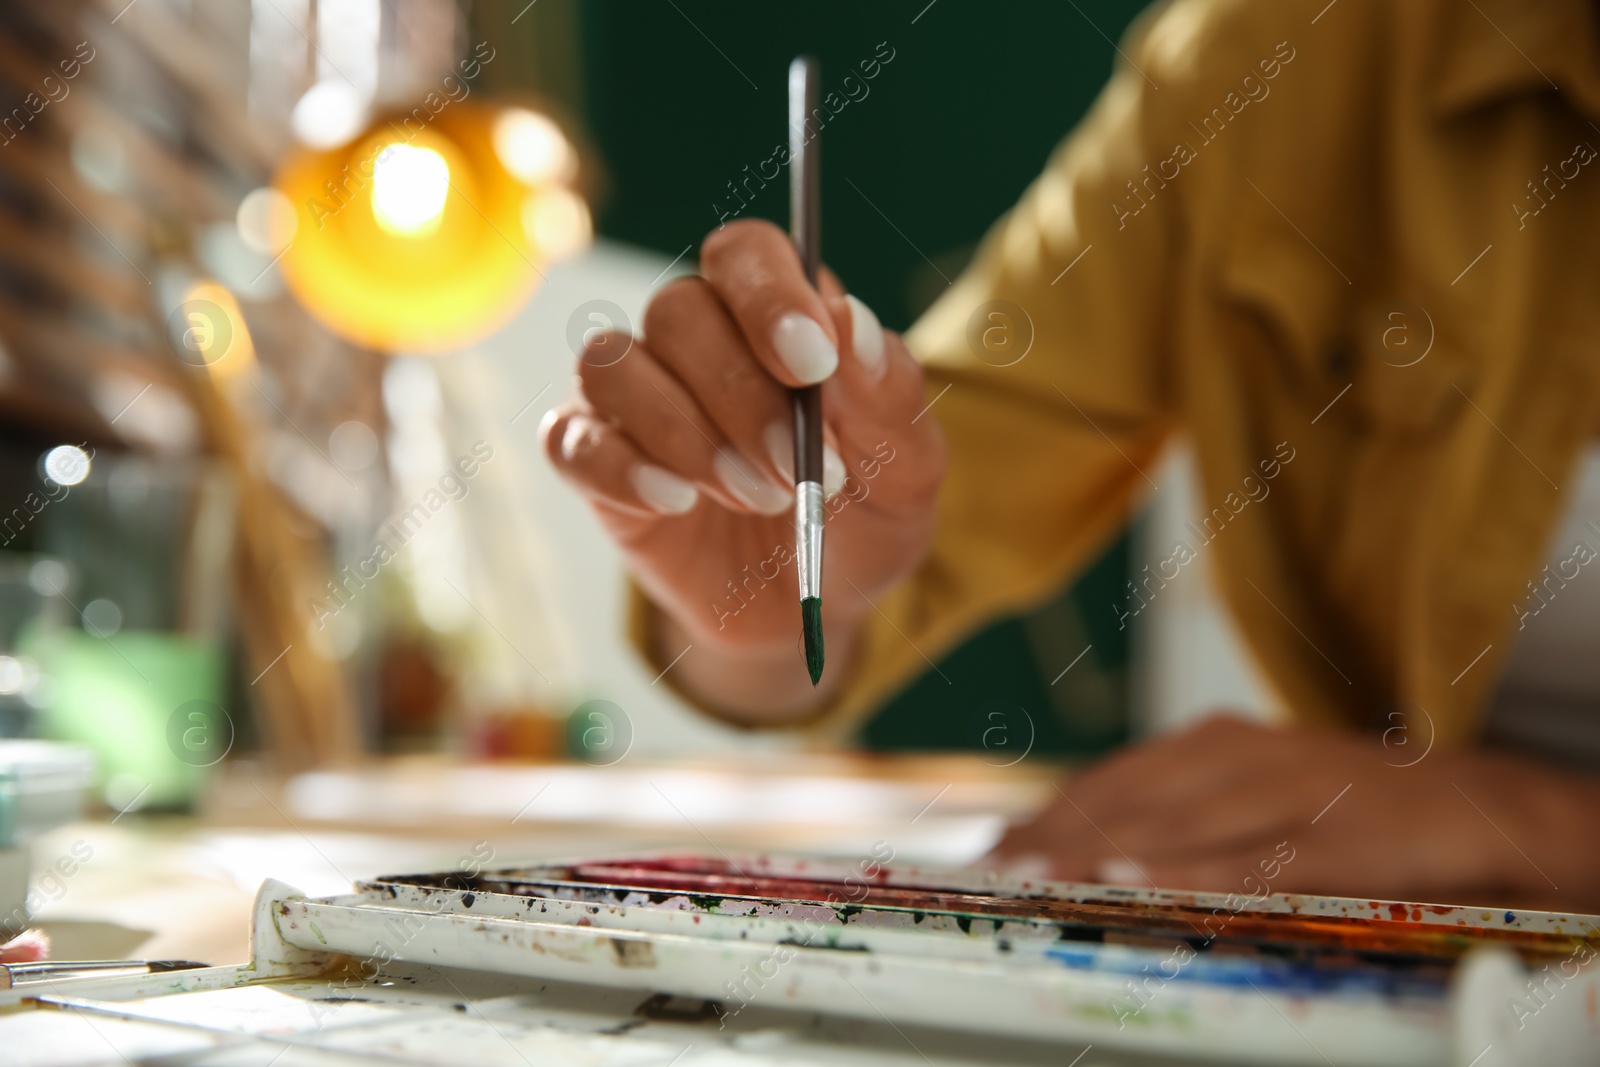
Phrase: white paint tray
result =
(753, 961)
(1275, 978)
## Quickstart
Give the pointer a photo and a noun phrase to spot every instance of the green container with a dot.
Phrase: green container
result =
(146, 704)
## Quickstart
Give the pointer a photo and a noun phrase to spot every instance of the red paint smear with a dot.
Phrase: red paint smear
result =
(1402, 932)
(725, 883)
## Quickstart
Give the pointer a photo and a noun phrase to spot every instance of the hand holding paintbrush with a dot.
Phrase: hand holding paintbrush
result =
(686, 447)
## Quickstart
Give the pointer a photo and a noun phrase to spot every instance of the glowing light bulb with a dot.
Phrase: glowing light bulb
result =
(409, 187)
(532, 147)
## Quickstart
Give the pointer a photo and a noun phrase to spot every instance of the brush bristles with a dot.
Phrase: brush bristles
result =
(811, 624)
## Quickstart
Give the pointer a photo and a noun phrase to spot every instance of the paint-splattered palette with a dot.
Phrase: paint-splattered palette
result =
(1273, 978)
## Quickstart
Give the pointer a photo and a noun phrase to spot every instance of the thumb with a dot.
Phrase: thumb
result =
(28, 947)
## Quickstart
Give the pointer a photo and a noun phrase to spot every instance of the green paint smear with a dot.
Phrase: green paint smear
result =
(318, 932)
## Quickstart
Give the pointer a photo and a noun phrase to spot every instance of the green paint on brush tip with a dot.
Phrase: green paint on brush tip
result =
(811, 623)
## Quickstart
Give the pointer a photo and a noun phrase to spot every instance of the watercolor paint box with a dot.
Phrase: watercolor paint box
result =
(733, 960)
(1272, 979)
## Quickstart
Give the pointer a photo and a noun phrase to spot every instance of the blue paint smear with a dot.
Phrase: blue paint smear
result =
(1511, 917)
(1263, 973)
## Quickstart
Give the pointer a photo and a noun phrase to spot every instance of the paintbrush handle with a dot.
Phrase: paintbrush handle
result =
(805, 229)
(15, 974)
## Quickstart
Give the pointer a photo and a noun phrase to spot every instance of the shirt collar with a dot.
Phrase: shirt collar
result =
(1488, 50)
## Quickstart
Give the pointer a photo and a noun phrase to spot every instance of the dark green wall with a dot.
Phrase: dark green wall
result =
(680, 96)
(950, 133)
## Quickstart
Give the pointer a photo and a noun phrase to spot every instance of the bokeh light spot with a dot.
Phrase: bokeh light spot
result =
(409, 186)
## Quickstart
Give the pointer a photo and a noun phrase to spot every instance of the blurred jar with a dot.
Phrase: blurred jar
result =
(139, 670)
(31, 602)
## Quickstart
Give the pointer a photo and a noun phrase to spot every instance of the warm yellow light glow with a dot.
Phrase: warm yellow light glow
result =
(557, 222)
(212, 332)
(409, 187)
(532, 147)
(417, 236)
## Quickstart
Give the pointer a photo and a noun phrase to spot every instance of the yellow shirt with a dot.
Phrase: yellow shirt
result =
(1351, 251)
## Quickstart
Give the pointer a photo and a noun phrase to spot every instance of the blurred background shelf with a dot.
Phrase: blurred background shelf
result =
(180, 886)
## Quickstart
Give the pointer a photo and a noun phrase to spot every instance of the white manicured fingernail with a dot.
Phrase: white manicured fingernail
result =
(804, 348)
(1028, 865)
(663, 490)
(833, 472)
(752, 488)
(1120, 872)
(779, 440)
(866, 337)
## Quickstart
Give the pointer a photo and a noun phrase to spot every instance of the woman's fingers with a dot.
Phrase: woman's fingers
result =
(1217, 820)
(695, 404)
(602, 462)
(877, 407)
(704, 396)
(696, 339)
(753, 267)
(693, 335)
(1253, 868)
(667, 423)
(1175, 796)
(752, 326)
(30, 946)
(669, 426)
(1173, 768)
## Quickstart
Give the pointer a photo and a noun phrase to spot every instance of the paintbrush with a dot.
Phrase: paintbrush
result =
(806, 231)
(17, 974)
